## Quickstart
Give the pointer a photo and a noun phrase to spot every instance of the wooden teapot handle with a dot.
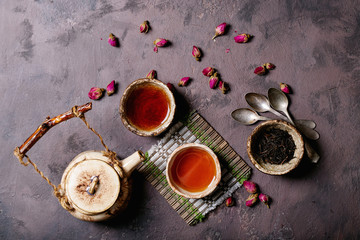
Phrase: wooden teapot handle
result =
(49, 123)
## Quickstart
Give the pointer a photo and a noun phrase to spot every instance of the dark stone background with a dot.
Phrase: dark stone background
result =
(53, 52)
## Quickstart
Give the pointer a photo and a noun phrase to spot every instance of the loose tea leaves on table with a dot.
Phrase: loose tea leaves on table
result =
(275, 146)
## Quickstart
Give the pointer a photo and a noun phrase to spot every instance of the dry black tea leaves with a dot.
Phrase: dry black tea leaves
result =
(275, 146)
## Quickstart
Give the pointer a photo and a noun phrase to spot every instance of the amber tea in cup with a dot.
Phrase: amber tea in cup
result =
(193, 170)
(147, 107)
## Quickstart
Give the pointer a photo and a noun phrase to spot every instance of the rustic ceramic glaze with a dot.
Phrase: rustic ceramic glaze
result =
(176, 188)
(97, 187)
(167, 121)
(276, 169)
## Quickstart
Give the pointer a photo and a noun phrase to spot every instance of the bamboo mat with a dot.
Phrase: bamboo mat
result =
(194, 129)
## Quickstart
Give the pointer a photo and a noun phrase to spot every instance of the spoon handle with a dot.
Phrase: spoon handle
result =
(312, 154)
(288, 116)
(263, 118)
(277, 113)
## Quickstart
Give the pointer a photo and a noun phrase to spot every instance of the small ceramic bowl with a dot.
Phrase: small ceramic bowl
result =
(181, 191)
(269, 168)
(164, 124)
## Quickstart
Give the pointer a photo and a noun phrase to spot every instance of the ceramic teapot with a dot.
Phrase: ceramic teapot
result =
(95, 185)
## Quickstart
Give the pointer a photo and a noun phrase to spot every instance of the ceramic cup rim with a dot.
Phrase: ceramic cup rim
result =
(276, 169)
(183, 192)
(122, 109)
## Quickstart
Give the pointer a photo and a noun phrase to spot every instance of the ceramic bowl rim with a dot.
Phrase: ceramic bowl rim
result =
(299, 142)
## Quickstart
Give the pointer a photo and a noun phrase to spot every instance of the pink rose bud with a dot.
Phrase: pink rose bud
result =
(110, 89)
(285, 88)
(242, 38)
(96, 93)
(219, 30)
(251, 200)
(265, 199)
(151, 74)
(184, 81)
(213, 81)
(229, 202)
(227, 50)
(260, 70)
(171, 87)
(269, 66)
(251, 187)
(144, 27)
(208, 72)
(196, 53)
(160, 42)
(224, 87)
(113, 41)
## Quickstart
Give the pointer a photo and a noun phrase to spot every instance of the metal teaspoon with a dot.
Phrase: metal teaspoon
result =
(279, 101)
(307, 123)
(261, 103)
(247, 116)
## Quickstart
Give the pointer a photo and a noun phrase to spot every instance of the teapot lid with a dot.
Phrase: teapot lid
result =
(92, 186)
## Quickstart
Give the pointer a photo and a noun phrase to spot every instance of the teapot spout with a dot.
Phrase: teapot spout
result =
(130, 163)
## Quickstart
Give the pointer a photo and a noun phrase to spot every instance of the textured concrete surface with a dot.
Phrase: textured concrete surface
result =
(53, 52)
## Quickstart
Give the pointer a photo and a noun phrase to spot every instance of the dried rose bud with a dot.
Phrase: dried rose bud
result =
(224, 87)
(113, 41)
(196, 53)
(110, 89)
(144, 27)
(160, 42)
(171, 87)
(229, 202)
(219, 30)
(284, 87)
(151, 74)
(96, 93)
(260, 70)
(213, 81)
(242, 38)
(208, 72)
(251, 187)
(265, 199)
(251, 200)
(184, 81)
(269, 66)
